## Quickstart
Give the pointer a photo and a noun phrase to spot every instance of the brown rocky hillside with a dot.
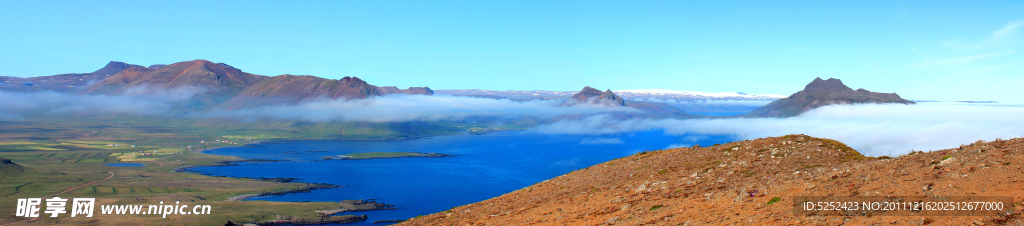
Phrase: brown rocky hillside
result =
(732, 184)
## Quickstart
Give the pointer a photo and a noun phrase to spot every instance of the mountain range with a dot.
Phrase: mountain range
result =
(225, 86)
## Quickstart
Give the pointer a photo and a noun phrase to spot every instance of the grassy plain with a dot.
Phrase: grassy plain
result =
(51, 160)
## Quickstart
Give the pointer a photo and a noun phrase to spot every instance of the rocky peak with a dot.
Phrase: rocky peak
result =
(113, 68)
(826, 86)
(588, 92)
(228, 66)
(353, 81)
(358, 89)
(595, 96)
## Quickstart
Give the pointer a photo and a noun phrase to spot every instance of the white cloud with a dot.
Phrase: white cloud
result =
(720, 102)
(399, 108)
(601, 141)
(140, 100)
(960, 61)
(1008, 29)
(755, 103)
(873, 130)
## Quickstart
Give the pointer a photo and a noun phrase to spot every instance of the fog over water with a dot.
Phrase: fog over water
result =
(401, 108)
(872, 129)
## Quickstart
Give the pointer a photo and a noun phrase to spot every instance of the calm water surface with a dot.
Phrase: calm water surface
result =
(486, 166)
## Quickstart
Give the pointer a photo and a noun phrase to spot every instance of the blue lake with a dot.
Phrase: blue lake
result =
(125, 164)
(486, 166)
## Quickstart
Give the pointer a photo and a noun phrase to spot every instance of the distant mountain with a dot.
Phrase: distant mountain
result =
(64, 82)
(634, 94)
(664, 94)
(509, 94)
(385, 90)
(219, 78)
(225, 86)
(588, 94)
(113, 68)
(821, 93)
(293, 89)
(659, 110)
(595, 96)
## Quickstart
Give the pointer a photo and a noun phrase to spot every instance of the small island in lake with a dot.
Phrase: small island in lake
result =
(385, 155)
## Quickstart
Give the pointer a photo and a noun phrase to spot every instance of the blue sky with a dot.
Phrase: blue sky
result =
(924, 50)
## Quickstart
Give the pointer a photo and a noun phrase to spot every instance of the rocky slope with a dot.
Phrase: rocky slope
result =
(735, 183)
(821, 93)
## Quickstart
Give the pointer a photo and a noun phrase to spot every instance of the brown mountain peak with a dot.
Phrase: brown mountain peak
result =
(113, 68)
(592, 95)
(198, 61)
(352, 80)
(824, 86)
(588, 89)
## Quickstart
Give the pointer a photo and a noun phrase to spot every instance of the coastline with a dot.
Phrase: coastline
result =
(328, 216)
(185, 169)
(388, 139)
(309, 186)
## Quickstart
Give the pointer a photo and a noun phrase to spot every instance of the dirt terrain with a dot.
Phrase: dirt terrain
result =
(735, 183)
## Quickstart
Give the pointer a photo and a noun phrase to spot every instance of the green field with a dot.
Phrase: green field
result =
(50, 160)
